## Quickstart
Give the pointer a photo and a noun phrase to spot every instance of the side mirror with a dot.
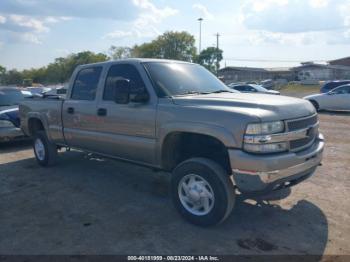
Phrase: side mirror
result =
(139, 97)
(331, 93)
(122, 92)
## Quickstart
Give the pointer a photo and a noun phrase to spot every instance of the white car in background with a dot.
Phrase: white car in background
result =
(336, 100)
(251, 88)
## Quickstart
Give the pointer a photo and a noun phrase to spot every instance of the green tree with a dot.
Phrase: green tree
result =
(63, 67)
(210, 58)
(119, 52)
(12, 77)
(57, 72)
(2, 73)
(170, 45)
(86, 57)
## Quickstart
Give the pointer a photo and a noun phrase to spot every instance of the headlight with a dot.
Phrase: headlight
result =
(265, 128)
(258, 138)
(5, 123)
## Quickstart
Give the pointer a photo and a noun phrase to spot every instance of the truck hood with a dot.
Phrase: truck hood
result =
(266, 107)
(10, 113)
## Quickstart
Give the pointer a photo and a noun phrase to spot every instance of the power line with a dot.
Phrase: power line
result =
(274, 60)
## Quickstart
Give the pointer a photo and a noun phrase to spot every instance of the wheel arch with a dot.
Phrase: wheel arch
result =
(178, 146)
(35, 124)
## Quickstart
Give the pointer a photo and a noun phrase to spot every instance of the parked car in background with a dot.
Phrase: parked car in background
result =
(37, 90)
(328, 86)
(60, 91)
(268, 83)
(9, 114)
(251, 88)
(337, 99)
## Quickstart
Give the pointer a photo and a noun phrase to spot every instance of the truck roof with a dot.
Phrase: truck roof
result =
(135, 60)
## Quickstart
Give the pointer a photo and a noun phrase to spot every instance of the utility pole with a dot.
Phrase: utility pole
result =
(217, 52)
(200, 34)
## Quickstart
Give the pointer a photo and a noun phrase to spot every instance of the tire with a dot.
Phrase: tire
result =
(315, 104)
(45, 152)
(208, 179)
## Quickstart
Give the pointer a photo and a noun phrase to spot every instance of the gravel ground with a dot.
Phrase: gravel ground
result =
(86, 205)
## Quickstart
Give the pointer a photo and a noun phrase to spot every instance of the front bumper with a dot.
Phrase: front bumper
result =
(10, 133)
(264, 173)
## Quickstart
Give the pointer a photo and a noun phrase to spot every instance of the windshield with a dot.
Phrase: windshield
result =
(173, 79)
(10, 97)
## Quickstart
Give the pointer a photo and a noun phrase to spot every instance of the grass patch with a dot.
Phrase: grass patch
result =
(301, 88)
(298, 90)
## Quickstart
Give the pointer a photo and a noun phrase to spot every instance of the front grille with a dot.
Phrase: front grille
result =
(309, 122)
(302, 123)
(301, 143)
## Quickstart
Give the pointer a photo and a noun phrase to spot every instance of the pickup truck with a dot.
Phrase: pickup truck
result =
(179, 118)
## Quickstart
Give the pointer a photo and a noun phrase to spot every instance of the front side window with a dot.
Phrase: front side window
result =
(122, 72)
(250, 89)
(85, 84)
(240, 88)
(342, 90)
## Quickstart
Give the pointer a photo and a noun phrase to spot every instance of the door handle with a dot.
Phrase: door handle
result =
(102, 112)
(70, 110)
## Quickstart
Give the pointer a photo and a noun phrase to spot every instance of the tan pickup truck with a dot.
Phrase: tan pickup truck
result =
(178, 117)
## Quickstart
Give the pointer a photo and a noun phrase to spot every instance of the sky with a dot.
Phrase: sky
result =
(256, 33)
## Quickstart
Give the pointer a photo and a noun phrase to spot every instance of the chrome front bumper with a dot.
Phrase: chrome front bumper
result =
(259, 173)
(10, 133)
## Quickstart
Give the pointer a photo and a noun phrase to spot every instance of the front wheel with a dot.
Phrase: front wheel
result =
(202, 191)
(45, 151)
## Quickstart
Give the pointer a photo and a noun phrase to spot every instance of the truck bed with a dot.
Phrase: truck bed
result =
(49, 110)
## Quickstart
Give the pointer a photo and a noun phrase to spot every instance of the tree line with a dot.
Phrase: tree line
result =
(170, 45)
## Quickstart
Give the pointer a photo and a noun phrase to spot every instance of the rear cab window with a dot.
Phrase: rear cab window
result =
(86, 83)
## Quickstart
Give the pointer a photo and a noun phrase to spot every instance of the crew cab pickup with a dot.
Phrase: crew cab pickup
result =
(178, 117)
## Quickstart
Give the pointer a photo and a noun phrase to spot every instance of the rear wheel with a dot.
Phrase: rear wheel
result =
(202, 191)
(315, 104)
(45, 151)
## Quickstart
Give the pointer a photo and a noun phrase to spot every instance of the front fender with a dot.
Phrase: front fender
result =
(217, 132)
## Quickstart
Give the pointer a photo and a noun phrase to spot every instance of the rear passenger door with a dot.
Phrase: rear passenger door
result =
(128, 130)
(79, 110)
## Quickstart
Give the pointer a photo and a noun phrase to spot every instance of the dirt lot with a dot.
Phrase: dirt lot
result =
(86, 205)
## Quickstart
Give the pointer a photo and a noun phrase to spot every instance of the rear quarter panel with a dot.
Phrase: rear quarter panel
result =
(48, 111)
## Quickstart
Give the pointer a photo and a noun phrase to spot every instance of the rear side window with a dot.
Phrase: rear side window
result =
(245, 88)
(122, 71)
(240, 88)
(85, 84)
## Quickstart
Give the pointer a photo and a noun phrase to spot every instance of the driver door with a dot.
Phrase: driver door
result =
(127, 131)
(338, 99)
(344, 99)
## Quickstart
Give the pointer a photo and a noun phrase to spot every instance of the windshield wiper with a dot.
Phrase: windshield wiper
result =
(220, 91)
(193, 93)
